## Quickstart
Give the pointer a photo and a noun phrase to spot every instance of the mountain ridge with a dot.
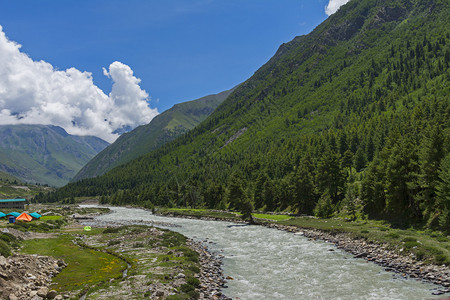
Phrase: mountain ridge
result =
(44, 154)
(163, 128)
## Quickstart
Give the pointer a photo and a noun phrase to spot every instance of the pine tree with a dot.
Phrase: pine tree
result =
(443, 194)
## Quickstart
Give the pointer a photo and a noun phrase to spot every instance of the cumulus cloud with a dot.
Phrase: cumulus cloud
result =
(333, 6)
(34, 92)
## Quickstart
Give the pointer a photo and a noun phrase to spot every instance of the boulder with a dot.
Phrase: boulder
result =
(52, 294)
(42, 292)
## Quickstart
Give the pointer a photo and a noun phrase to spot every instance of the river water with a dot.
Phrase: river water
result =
(272, 264)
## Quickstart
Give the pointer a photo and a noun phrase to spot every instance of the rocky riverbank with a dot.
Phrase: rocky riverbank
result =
(211, 275)
(24, 277)
(405, 266)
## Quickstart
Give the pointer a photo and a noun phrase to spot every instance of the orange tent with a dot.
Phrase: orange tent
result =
(24, 217)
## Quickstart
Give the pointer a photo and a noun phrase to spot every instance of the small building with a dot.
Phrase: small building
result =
(13, 203)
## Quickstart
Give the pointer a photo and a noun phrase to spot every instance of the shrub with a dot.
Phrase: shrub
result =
(112, 230)
(194, 294)
(420, 254)
(324, 207)
(8, 238)
(393, 235)
(186, 288)
(409, 239)
(193, 281)
(442, 239)
(4, 249)
(113, 242)
(441, 259)
(194, 269)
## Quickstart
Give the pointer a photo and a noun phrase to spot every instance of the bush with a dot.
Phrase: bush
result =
(409, 239)
(193, 281)
(442, 239)
(113, 242)
(324, 207)
(194, 294)
(420, 254)
(194, 269)
(393, 235)
(112, 230)
(4, 249)
(441, 259)
(186, 288)
(8, 238)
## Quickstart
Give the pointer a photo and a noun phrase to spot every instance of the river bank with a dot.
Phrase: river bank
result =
(390, 258)
(159, 264)
(170, 267)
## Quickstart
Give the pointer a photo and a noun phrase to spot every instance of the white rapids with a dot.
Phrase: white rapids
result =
(271, 264)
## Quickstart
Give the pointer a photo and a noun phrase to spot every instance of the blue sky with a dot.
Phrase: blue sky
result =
(180, 50)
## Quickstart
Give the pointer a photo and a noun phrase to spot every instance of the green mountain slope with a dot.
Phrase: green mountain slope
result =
(44, 154)
(350, 119)
(11, 187)
(163, 128)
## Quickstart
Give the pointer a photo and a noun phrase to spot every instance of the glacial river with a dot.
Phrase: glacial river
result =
(271, 264)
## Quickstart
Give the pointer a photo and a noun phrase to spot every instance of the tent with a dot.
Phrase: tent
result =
(15, 214)
(2, 215)
(24, 217)
(35, 215)
(11, 219)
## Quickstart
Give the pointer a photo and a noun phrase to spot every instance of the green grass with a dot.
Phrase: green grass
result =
(85, 267)
(46, 218)
(197, 213)
(272, 217)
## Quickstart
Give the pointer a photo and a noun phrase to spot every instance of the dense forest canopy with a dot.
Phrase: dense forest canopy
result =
(351, 119)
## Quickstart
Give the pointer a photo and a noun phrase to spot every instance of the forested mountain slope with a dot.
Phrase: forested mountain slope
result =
(352, 118)
(164, 128)
(45, 154)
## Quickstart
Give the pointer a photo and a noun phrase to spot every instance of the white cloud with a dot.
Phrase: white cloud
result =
(333, 6)
(34, 92)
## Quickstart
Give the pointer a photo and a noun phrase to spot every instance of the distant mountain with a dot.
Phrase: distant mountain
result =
(163, 128)
(5, 177)
(45, 154)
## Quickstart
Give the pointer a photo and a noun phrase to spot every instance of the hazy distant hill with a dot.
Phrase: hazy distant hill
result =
(163, 128)
(45, 154)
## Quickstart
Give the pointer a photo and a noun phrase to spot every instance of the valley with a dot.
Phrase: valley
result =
(324, 174)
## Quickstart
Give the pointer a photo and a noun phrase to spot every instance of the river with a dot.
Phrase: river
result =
(271, 264)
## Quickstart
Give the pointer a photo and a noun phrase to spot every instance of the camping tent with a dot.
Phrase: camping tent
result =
(15, 214)
(2, 215)
(24, 217)
(35, 215)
